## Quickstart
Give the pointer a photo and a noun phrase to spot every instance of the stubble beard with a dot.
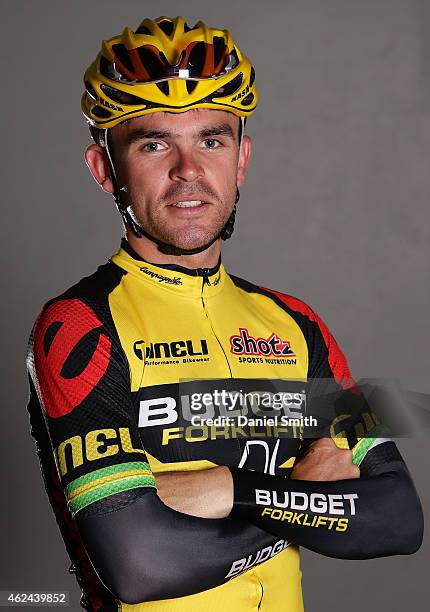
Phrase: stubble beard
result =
(194, 235)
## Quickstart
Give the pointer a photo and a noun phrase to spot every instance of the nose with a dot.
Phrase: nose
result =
(186, 167)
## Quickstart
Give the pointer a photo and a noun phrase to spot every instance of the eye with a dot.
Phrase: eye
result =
(211, 143)
(151, 147)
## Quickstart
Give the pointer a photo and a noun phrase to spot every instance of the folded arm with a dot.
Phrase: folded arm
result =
(327, 505)
(377, 515)
(147, 551)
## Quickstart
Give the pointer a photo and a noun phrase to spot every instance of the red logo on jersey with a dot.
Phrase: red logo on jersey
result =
(63, 325)
(244, 344)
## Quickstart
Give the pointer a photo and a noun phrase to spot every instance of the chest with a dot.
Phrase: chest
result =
(215, 381)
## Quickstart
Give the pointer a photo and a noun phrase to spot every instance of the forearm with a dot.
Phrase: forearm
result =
(362, 518)
(199, 493)
(147, 551)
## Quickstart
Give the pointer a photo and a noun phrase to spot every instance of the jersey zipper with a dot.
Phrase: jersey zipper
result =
(206, 281)
(262, 594)
(205, 274)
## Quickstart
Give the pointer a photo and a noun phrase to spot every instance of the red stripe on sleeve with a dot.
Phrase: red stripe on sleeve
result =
(336, 358)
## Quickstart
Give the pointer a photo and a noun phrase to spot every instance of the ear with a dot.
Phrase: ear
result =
(98, 165)
(245, 156)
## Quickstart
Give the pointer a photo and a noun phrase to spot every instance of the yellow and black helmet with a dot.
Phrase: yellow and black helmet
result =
(167, 65)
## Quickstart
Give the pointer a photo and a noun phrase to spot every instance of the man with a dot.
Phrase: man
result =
(131, 367)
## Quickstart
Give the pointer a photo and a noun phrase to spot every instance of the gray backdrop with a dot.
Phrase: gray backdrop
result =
(335, 211)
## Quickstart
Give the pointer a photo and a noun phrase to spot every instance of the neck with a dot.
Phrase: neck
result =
(149, 251)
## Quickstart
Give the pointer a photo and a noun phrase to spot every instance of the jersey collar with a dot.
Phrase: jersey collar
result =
(178, 279)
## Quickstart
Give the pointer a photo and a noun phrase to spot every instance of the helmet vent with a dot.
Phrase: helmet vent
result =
(252, 77)
(120, 97)
(248, 100)
(122, 54)
(164, 87)
(233, 60)
(105, 68)
(197, 57)
(188, 28)
(191, 85)
(219, 49)
(152, 63)
(229, 88)
(142, 29)
(166, 26)
(90, 90)
(101, 112)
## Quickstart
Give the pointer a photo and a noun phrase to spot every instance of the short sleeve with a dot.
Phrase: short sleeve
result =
(353, 425)
(80, 383)
(334, 398)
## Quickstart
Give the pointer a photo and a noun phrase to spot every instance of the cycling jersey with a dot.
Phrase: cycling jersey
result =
(121, 364)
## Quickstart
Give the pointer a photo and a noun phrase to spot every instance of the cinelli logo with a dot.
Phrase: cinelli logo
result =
(95, 445)
(166, 350)
(245, 344)
(176, 280)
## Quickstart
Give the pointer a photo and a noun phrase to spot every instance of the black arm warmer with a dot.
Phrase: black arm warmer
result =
(376, 515)
(147, 551)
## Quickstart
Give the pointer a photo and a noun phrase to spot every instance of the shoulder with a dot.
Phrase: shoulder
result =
(294, 306)
(325, 356)
(74, 342)
(94, 288)
(76, 326)
(84, 303)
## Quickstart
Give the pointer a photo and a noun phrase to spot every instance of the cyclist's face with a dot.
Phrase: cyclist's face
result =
(181, 172)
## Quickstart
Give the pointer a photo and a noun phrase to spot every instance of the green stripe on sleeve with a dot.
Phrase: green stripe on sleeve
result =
(107, 471)
(125, 484)
(365, 444)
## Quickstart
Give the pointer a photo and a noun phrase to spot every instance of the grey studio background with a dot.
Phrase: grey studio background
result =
(335, 211)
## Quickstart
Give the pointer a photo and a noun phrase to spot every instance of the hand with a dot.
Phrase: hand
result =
(203, 493)
(325, 461)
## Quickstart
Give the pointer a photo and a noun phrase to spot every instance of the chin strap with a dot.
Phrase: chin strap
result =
(127, 216)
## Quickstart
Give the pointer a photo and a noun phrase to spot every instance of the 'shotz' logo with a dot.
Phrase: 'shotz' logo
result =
(245, 344)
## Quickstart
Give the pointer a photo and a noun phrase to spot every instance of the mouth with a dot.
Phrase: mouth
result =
(188, 204)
